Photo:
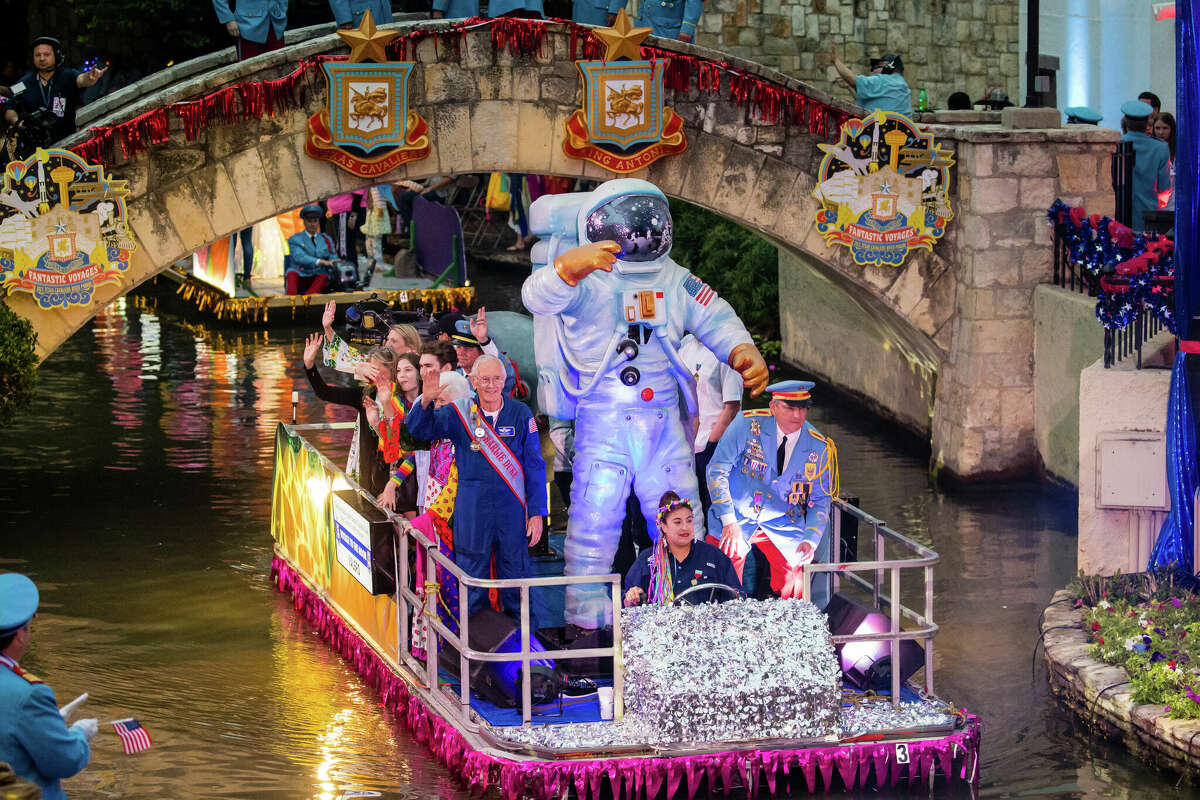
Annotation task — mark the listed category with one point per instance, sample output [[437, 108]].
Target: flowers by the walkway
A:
[[1158, 644]]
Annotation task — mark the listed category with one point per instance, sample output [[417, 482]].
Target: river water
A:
[[137, 494]]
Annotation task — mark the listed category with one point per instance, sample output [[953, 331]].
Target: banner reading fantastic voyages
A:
[[63, 229]]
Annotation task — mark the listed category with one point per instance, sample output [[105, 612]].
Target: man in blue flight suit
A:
[[34, 738], [310, 253], [670, 19], [257, 25], [501, 476], [596, 12], [349, 13], [471, 340], [1151, 163], [772, 481]]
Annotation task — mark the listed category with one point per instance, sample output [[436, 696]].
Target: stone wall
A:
[[1066, 339], [1005, 181], [947, 45]]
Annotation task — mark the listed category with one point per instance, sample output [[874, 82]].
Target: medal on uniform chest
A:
[[758, 502]]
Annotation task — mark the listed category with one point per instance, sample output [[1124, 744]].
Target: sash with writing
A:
[[492, 446]]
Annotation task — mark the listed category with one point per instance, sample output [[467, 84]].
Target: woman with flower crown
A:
[[677, 562]]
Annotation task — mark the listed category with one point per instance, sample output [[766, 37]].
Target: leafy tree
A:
[[741, 266], [18, 364]]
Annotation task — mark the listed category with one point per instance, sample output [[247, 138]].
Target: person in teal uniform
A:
[[670, 19], [310, 253], [455, 9], [257, 25], [1151, 163], [884, 89], [772, 479], [349, 13], [596, 12], [34, 738]]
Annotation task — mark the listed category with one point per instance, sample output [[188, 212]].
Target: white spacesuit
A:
[[608, 321]]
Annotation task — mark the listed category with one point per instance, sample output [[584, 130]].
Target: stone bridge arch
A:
[[488, 110]]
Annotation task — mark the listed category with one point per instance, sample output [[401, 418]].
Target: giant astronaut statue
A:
[[610, 308]]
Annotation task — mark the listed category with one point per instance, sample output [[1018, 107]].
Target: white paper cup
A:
[[605, 695]]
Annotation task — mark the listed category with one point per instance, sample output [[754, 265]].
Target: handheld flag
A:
[[134, 738]]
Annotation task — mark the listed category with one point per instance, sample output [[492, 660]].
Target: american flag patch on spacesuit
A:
[[699, 291], [533, 425]]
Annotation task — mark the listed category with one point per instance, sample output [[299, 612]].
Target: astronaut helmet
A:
[[633, 213]]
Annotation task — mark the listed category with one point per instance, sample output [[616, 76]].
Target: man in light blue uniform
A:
[[1151, 163], [310, 253], [455, 9], [884, 89], [34, 738], [596, 12], [349, 13], [622, 306], [495, 508], [258, 25], [772, 481], [670, 19]]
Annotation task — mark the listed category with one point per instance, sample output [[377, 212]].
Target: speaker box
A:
[[499, 682], [868, 665]]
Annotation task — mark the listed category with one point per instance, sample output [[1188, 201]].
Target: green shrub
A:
[[18, 364]]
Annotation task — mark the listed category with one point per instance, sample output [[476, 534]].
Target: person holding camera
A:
[[48, 96]]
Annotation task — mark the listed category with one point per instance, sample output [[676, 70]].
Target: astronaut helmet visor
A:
[[640, 224]]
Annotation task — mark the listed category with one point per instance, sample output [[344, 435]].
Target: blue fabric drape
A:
[[1174, 545]]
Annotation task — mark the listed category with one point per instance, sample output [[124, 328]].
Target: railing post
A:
[[837, 545], [895, 628], [526, 681], [618, 658], [400, 571], [464, 640], [430, 608], [928, 622], [878, 557]]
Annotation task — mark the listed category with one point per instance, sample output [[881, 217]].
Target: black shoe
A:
[[578, 687]]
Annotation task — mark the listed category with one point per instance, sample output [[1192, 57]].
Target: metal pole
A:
[[928, 622], [837, 545], [618, 660], [526, 681], [464, 641], [895, 642], [1032, 45]]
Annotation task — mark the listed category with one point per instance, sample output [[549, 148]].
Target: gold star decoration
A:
[[622, 39], [366, 41]]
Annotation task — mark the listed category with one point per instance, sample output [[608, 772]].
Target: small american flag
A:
[[700, 291], [533, 425], [134, 738]]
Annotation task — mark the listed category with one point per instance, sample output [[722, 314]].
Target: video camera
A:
[[33, 130], [368, 321]]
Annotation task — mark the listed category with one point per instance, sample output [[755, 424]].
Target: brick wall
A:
[[946, 45]]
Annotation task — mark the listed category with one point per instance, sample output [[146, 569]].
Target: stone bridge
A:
[[959, 319]]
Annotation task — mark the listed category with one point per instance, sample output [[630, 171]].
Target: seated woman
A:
[[677, 562], [397, 446], [367, 465]]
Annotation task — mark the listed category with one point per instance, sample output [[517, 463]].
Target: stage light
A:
[[868, 665]]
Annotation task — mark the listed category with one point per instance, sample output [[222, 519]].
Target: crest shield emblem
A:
[[624, 101], [368, 103]]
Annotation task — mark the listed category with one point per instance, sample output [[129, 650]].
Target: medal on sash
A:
[[478, 425]]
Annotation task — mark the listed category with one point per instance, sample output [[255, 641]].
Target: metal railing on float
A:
[[919, 557]]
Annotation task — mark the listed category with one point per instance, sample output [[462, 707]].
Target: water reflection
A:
[[137, 492]]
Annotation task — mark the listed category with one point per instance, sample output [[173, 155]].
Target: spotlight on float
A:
[[868, 665]]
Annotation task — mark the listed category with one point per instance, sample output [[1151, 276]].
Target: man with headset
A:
[[52, 87]]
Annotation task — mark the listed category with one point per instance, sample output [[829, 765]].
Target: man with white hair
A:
[[501, 475]]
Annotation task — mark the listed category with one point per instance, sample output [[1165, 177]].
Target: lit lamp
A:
[[868, 665]]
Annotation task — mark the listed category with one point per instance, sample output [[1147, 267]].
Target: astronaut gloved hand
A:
[[579, 262], [89, 727], [746, 359]]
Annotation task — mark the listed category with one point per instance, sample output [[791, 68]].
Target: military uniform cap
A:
[[794, 393], [18, 601], [311, 210], [1136, 109], [1083, 114], [458, 328]]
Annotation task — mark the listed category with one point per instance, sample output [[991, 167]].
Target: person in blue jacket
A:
[[773, 479], [501, 476], [884, 89], [257, 25], [310, 253], [670, 19], [349, 13], [596, 12], [1151, 163], [34, 738], [677, 562]]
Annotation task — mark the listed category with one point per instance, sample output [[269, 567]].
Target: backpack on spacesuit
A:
[[553, 218]]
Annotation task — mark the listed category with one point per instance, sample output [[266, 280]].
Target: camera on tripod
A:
[[368, 321]]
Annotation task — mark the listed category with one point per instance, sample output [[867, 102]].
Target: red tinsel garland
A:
[[769, 101]]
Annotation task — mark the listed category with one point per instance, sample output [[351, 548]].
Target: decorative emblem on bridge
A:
[[63, 229], [623, 125], [367, 128], [883, 189]]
